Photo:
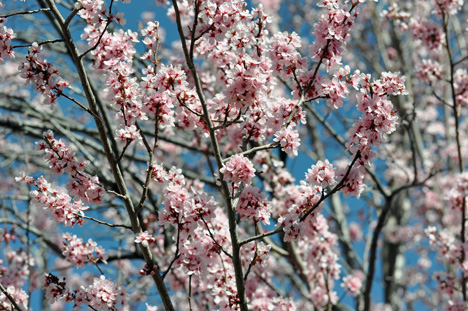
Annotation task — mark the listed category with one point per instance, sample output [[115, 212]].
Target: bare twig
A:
[[25, 12], [103, 222]]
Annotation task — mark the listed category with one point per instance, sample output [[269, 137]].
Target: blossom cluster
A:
[[42, 74], [461, 87], [151, 40], [447, 246], [123, 94], [185, 206], [200, 256], [79, 252], [378, 119], [102, 295], [17, 294], [353, 282], [164, 88], [255, 255], [55, 200], [254, 205], [113, 55], [6, 35], [321, 175], [457, 192], [289, 140], [219, 17], [331, 32], [144, 238], [15, 271], [62, 159], [238, 169], [284, 55], [311, 190]]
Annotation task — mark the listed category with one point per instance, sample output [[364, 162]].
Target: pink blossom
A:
[[286, 59], [321, 297], [79, 253], [321, 175], [428, 34], [42, 74], [450, 7], [103, 294], [253, 205], [397, 14], [128, 134], [355, 231], [6, 35], [430, 70], [279, 113], [113, 49], [390, 83], [238, 169], [144, 238], [158, 173], [17, 294], [289, 140], [62, 159], [331, 32], [291, 224], [124, 95], [151, 40], [354, 183], [55, 200], [335, 90], [185, 206], [461, 87], [353, 282]]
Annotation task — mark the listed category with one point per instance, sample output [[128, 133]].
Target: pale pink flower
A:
[[42, 74], [321, 175], [353, 282], [355, 231], [238, 169], [18, 295], [253, 205], [6, 35], [103, 294], [62, 159], [78, 252], [144, 238], [289, 140], [56, 200], [128, 134]]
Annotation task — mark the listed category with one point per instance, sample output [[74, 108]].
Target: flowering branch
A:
[[77, 59], [217, 153], [13, 302], [456, 107], [338, 187]]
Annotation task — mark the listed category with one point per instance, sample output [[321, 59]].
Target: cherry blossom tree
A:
[[276, 155]]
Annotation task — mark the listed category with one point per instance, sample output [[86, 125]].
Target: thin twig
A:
[[25, 13], [78, 103], [40, 43], [103, 222]]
